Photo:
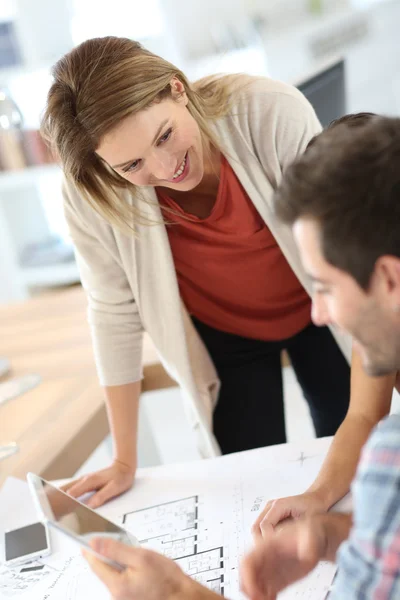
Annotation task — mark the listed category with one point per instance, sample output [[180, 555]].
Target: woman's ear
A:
[[178, 91]]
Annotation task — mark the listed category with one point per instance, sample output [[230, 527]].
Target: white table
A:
[[199, 513]]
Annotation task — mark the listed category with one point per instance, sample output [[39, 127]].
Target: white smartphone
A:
[[73, 518], [26, 544]]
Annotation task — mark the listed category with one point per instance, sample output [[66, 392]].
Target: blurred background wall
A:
[[284, 39]]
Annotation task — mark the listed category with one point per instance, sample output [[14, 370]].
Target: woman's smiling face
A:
[[158, 146]]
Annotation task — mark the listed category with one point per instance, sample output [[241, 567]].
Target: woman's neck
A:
[[212, 168]]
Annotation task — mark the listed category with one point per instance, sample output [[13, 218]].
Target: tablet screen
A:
[[72, 516]]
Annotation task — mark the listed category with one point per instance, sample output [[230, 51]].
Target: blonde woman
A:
[[168, 190]]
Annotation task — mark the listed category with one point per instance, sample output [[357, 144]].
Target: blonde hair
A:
[[97, 85]]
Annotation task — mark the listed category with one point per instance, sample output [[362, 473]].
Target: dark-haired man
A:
[[342, 199]]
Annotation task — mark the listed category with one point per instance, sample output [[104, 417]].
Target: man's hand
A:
[[106, 484], [293, 507], [283, 557], [148, 575]]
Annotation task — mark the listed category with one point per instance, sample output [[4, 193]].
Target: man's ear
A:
[[388, 268]]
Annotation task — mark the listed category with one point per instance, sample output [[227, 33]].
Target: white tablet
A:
[[79, 522]]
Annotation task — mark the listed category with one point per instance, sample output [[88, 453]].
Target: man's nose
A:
[[319, 312]]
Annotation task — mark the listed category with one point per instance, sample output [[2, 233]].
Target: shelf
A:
[[50, 276], [28, 176]]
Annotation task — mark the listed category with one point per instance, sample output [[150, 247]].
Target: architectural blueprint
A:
[[18, 581], [199, 514], [204, 513], [173, 529]]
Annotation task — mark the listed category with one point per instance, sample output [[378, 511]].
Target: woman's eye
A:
[[166, 136], [132, 167]]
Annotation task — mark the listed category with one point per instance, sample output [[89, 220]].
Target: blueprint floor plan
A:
[[199, 514], [173, 529], [204, 513]]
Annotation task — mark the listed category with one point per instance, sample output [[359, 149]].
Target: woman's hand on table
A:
[[105, 484], [283, 509]]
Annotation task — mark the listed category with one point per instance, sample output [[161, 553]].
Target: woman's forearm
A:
[[123, 411], [337, 472], [369, 403]]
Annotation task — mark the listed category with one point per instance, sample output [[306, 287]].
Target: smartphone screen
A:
[[24, 541]]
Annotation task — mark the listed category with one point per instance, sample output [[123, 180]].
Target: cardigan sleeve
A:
[[114, 320]]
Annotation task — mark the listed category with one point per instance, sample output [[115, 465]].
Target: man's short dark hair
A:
[[348, 181], [352, 120]]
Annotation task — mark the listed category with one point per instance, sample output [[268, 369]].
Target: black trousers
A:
[[250, 410]]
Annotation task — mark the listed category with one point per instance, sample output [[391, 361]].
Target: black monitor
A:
[[326, 92]]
